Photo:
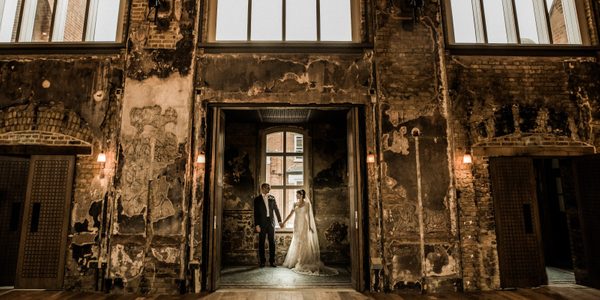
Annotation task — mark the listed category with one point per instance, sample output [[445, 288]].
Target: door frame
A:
[[214, 210]]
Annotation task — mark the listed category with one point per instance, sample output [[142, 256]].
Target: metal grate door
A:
[[43, 237], [13, 188], [517, 222]]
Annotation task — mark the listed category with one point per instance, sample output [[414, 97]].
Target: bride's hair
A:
[[302, 192]]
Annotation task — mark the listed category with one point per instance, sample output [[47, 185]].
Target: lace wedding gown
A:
[[304, 255]]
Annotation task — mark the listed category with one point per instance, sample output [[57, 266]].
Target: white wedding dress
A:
[[304, 255]]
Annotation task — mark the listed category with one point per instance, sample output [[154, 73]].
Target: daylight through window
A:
[[284, 20], [284, 168], [516, 22], [59, 20]]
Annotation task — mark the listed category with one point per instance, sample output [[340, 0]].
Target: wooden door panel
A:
[[587, 174], [216, 197], [45, 223], [355, 197], [13, 188], [517, 222]]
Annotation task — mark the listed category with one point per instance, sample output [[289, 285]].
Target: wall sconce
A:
[[201, 159], [467, 158], [101, 158], [370, 158]]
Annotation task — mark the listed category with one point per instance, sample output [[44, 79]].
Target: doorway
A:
[[241, 143], [546, 212], [35, 197]]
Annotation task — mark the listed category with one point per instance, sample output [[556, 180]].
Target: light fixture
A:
[[467, 158], [101, 157], [201, 159], [370, 158]]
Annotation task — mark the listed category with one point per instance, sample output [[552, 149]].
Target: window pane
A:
[[232, 20], [294, 171], [43, 21], [69, 20], [463, 21], [289, 205], [336, 22], [563, 22], [527, 22], [274, 170], [301, 20], [494, 20], [107, 20], [9, 9], [278, 194], [275, 142], [294, 142], [266, 20]]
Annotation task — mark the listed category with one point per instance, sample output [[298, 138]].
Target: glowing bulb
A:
[[201, 158], [467, 158], [371, 158], [101, 157]]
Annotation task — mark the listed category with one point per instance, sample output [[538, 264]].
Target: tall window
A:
[[59, 20], [517, 22], [284, 168], [284, 20]]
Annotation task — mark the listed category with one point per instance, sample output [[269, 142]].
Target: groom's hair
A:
[[264, 185]]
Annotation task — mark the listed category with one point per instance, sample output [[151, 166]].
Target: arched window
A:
[[284, 166]]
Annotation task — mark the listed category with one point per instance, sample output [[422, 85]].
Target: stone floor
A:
[[249, 277], [560, 276]]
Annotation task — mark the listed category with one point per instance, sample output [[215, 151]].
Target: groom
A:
[[264, 207]]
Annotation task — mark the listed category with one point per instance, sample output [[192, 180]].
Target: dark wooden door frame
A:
[[214, 217]]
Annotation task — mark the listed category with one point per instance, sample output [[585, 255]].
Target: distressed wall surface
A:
[[137, 223], [417, 242], [69, 101], [517, 104]]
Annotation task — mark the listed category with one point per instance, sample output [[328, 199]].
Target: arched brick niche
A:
[[532, 144], [35, 128]]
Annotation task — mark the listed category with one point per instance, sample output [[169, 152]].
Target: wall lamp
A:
[[467, 158], [371, 158], [101, 159], [201, 159]]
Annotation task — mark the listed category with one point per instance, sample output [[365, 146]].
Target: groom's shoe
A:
[[273, 265], [262, 265]]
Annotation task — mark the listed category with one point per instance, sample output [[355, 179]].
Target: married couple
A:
[[304, 255]]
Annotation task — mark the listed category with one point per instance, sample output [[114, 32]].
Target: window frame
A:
[[70, 46], [306, 169], [209, 38], [588, 46]]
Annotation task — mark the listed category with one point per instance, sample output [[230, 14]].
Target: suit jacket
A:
[[260, 211]]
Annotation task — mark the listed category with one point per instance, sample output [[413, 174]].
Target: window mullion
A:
[[2, 5], [283, 19], [85, 20], [541, 21], [59, 20], [510, 19], [318, 20], [91, 19], [53, 19], [27, 21], [249, 26], [571, 22], [479, 21]]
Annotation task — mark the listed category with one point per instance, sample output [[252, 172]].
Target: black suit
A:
[[267, 226]]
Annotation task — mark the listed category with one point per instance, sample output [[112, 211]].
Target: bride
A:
[[304, 255]]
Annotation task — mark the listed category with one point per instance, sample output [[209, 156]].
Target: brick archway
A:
[[43, 128]]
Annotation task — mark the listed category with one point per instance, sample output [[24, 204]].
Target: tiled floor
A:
[[280, 277]]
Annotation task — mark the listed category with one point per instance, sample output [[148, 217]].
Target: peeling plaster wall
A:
[[83, 92], [516, 97], [415, 237], [148, 247]]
